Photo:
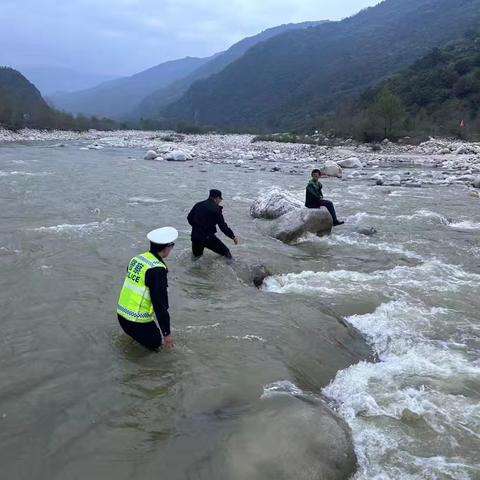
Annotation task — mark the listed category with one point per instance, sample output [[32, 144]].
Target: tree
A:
[[389, 108]]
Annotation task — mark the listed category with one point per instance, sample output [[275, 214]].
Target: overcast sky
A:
[[121, 37]]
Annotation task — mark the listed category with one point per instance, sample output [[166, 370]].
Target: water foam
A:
[[146, 200], [417, 383], [433, 276], [363, 216], [82, 228], [282, 387], [191, 328], [466, 225], [361, 241], [24, 174], [250, 338], [385, 402], [9, 251], [423, 214]]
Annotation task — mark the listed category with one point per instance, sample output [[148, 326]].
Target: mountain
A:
[[50, 80], [151, 106], [114, 99], [20, 100], [438, 93], [285, 82], [22, 105]]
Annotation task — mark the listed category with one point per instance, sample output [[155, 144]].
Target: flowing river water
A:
[[78, 399]]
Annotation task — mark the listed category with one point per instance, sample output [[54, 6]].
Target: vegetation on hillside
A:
[[151, 107], [438, 95], [22, 106], [288, 81]]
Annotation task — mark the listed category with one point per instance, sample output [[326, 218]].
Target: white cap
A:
[[163, 236]]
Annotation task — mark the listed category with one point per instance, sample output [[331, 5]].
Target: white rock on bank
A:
[[150, 155], [331, 169], [395, 181], [352, 162], [178, 156]]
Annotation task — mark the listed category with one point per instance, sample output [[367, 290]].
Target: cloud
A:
[[125, 36]]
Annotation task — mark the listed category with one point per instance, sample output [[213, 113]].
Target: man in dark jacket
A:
[[204, 218], [314, 197]]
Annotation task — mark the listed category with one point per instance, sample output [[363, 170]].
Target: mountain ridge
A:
[[152, 104], [116, 98], [286, 81]]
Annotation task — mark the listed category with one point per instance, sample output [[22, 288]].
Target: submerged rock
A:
[[395, 181], [298, 222], [291, 438], [369, 231], [273, 204], [251, 274]]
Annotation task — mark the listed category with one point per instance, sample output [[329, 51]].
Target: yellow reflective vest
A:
[[135, 303]]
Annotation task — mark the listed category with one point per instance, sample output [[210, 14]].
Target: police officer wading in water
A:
[[204, 218], [145, 292], [314, 197]]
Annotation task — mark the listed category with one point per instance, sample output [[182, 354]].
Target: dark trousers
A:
[[146, 334], [213, 244], [329, 206]]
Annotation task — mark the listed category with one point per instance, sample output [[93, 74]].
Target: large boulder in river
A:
[[151, 155], [298, 222], [273, 204], [352, 162], [178, 156], [331, 169], [288, 437], [476, 182]]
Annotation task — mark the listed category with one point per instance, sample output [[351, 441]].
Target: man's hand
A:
[[169, 343], [235, 241]]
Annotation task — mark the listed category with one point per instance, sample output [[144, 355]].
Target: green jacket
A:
[[313, 194]]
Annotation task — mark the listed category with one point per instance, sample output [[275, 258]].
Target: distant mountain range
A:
[[145, 93], [115, 99], [151, 106], [50, 80], [287, 81]]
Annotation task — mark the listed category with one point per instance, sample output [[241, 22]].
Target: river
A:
[[79, 399]]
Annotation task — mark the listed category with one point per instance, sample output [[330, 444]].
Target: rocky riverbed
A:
[[451, 162]]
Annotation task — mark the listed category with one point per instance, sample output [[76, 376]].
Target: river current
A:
[[78, 399]]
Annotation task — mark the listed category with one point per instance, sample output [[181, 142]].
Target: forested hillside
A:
[[22, 105], [290, 80], [438, 95]]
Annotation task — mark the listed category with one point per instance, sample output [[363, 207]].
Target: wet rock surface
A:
[[300, 222]]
